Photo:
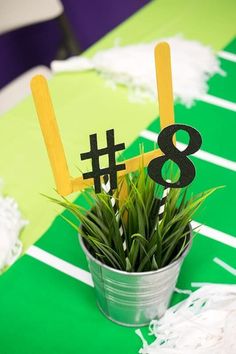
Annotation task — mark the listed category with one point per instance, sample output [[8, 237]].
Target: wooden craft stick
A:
[[131, 166], [52, 139], [164, 84]]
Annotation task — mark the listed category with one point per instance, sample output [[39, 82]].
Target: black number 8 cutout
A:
[[186, 167]]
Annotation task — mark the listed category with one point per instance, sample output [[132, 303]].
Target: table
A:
[[45, 310]]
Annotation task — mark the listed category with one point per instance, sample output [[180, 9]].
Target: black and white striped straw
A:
[[107, 188], [163, 202]]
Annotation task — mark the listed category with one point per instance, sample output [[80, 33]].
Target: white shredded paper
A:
[[11, 224], [205, 323], [133, 66]]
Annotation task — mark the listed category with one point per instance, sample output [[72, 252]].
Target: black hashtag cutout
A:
[[94, 155]]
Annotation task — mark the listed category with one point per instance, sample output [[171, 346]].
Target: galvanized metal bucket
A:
[[133, 299]]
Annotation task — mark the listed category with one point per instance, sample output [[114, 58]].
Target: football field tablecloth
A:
[[44, 310]]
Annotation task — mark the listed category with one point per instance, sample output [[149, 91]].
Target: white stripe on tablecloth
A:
[[60, 264], [217, 101], [224, 265], [200, 284], [214, 234], [227, 56], [200, 154]]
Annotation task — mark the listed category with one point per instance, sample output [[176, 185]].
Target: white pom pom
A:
[[11, 224], [205, 323]]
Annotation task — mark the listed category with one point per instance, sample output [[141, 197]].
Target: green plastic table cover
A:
[[43, 310]]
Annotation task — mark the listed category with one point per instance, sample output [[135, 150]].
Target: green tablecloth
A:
[[45, 311]]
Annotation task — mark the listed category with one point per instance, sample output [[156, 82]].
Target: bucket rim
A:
[[123, 272]]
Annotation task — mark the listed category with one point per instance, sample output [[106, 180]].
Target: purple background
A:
[[38, 44]]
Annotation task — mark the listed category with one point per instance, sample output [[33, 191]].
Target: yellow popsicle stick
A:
[[52, 139], [164, 84], [131, 165], [64, 183]]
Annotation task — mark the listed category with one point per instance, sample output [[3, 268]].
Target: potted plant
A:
[[135, 245]]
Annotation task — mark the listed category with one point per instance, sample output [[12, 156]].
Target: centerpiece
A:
[[136, 231]]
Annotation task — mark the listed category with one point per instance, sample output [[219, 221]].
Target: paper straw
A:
[[108, 190]]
